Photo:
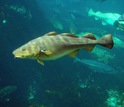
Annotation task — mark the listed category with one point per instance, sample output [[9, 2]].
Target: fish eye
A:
[[23, 49]]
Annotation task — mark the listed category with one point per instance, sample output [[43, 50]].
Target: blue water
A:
[[60, 83]]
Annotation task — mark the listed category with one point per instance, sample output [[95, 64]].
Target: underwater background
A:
[[62, 82]]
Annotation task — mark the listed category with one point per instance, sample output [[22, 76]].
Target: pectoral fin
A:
[[73, 54], [104, 23], [46, 52], [96, 18], [39, 61]]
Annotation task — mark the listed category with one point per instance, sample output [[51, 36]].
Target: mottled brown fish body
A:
[[52, 46], [61, 45]]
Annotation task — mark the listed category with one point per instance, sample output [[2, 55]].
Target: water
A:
[[60, 83]]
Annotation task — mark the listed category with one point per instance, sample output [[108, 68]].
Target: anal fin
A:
[[73, 54], [89, 48]]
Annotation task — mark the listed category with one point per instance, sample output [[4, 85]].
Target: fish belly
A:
[[56, 55]]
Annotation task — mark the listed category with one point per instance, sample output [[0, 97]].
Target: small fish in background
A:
[[119, 23], [121, 18], [118, 42], [5, 91], [106, 18], [96, 66], [52, 46]]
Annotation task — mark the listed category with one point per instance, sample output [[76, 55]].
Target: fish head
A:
[[27, 51]]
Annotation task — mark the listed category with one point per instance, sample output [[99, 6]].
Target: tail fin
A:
[[106, 41], [90, 12]]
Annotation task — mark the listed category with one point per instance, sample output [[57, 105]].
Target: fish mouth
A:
[[17, 55]]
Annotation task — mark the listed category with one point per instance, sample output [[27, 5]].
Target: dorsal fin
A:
[[68, 34], [90, 36], [53, 33]]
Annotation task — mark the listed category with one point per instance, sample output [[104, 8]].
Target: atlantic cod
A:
[[52, 46]]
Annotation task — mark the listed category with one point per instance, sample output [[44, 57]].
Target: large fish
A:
[[106, 18], [52, 46]]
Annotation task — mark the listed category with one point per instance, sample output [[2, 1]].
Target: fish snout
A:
[[17, 54]]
